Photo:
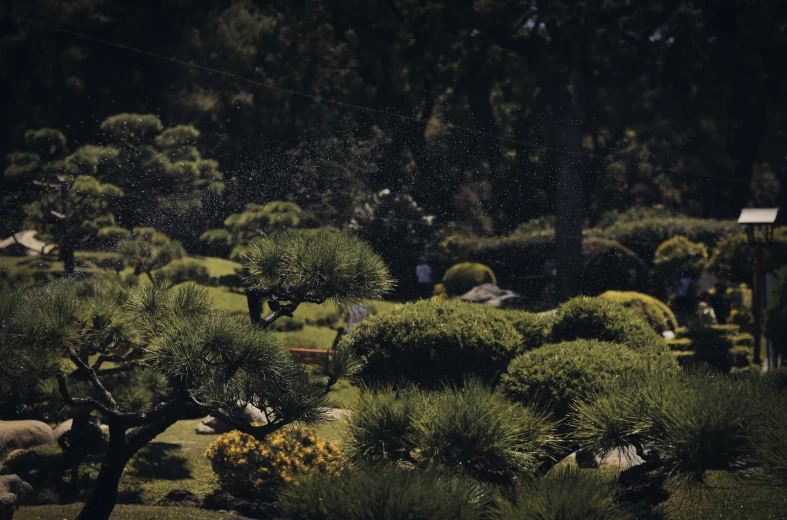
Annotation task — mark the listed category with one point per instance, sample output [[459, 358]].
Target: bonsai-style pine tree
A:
[[145, 249], [66, 200], [212, 362]]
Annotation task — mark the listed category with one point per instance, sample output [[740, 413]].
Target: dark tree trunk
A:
[[568, 217], [122, 447], [254, 302], [102, 501], [749, 135]]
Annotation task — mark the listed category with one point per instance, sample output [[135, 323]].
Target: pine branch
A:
[[94, 379], [81, 401]]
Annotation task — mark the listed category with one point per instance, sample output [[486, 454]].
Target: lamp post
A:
[[758, 223]]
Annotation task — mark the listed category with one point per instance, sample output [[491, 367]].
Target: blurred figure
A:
[[705, 311], [718, 300], [683, 301], [424, 274], [356, 315]]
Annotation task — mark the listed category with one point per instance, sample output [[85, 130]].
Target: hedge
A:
[[604, 320], [462, 277], [657, 313], [679, 257], [433, 342], [554, 376]]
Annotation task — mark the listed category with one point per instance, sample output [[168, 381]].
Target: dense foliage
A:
[[460, 278], [554, 377], [430, 343], [605, 320], [471, 428], [679, 257], [250, 468], [656, 312], [776, 312]]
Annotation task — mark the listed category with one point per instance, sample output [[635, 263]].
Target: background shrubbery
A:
[[657, 313], [462, 277]]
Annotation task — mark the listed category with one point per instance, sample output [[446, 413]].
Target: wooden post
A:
[[758, 296]]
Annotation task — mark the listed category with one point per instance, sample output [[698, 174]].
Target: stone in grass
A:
[[23, 434], [184, 497], [11, 490], [491, 294]]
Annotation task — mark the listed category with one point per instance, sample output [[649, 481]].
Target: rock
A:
[[63, 428], [491, 294], [233, 516], [184, 497], [23, 434], [18, 453], [210, 425], [203, 429], [11, 490]]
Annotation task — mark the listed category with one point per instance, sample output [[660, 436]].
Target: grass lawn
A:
[[174, 460], [121, 512]]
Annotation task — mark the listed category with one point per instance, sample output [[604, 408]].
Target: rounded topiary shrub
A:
[[605, 320], [431, 342], [553, 376], [462, 277], [679, 257], [609, 265], [657, 313], [385, 492], [250, 468], [531, 326]]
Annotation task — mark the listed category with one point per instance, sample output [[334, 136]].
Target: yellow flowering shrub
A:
[[248, 467]]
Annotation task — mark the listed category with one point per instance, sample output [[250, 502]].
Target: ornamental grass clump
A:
[[565, 493], [250, 468], [387, 492], [382, 424], [479, 431]]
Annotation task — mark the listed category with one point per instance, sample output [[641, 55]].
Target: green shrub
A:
[[480, 431], [554, 376], [722, 347], [432, 342], [644, 236], [564, 494], [288, 324], [387, 492], [657, 313], [531, 326], [696, 421], [679, 257], [216, 242], [604, 320], [382, 423], [776, 311], [184, 272], [733, 257], [462, 277]]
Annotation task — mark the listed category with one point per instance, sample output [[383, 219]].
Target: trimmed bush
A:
[[388, 492], [480, 431], [554, 376], [565, 493], [431, 342], [217, 242], [249, 468], [462, 277], [184, 272], [531, 326], [657, 313], [604, 320], [644, 236], [679, 257]]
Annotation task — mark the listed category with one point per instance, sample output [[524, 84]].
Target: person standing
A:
[[424, 274]]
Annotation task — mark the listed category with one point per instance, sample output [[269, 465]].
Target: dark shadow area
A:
[[161, 461]]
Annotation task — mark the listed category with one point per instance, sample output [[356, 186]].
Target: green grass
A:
[[174, 460], [121, 512]]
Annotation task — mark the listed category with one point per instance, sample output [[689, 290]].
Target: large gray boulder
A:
[[491, 294], [11, 490], [15, 435]]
